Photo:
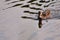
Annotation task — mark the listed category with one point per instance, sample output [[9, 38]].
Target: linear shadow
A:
[[35, 8], [12, 2], [21, 0], [43, 1], [25, 6], [13, 6], [16, 5], [7, 0], [37, 4], [31, 1], [25, 17], [49, 4], [52, 0], [30, 12]]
